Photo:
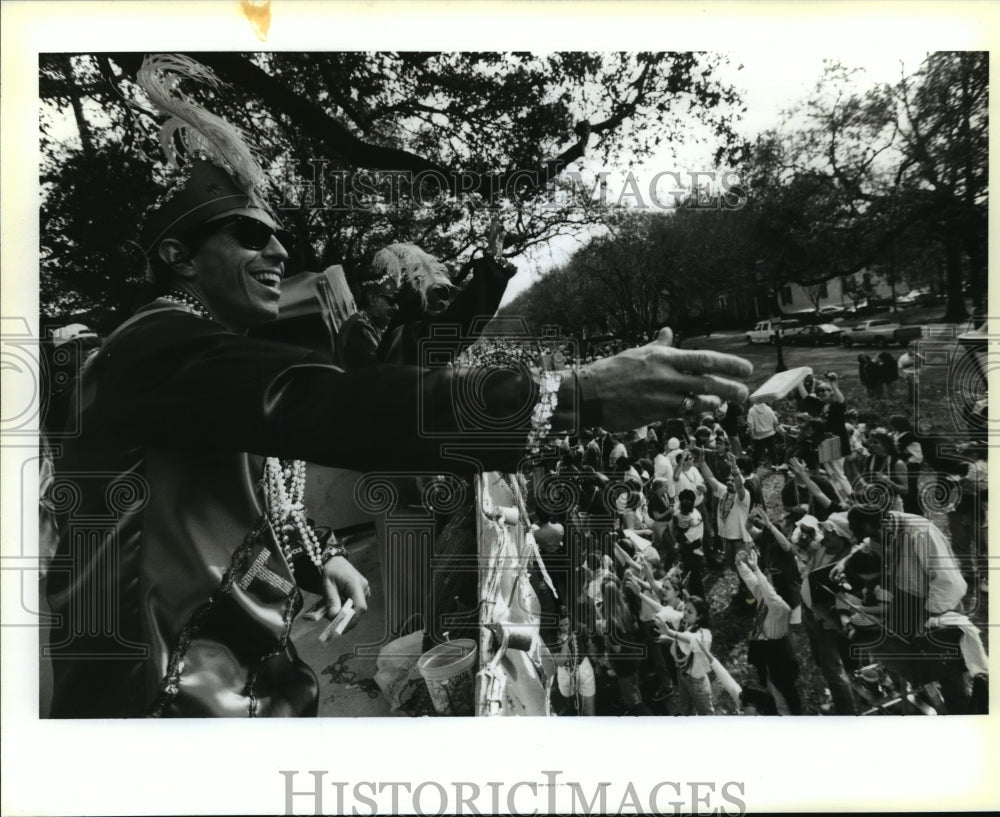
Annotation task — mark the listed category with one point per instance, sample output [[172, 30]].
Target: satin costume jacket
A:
[[171, 593]]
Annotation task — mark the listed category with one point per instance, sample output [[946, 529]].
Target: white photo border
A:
[[203, 767]]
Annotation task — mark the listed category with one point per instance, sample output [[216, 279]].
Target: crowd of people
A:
[[192, 432], [190, 436], [878, 375], [827, 525]]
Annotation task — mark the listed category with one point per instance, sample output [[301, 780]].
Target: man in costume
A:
[[184, 540], [359, 337]]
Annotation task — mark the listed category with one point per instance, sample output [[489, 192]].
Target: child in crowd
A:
[[660, 513], [688, 532]]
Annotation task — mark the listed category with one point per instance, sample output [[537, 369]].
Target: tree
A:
[[944, 124], [904, 157], [647, 271], [474, 131]]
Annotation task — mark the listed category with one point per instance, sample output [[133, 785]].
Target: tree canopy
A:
[[892, 180], [476, 132]]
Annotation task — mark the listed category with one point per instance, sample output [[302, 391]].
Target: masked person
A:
[[186, 540], [361, 333]]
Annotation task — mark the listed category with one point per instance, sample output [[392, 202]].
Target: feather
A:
[[410, 263], [386, 264], [199, 131]]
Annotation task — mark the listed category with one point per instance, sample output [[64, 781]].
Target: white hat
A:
[[809, 522], [73, 331], [673, 444], [837, 523]]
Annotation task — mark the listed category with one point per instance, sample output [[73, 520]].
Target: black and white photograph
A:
[[407, 382]]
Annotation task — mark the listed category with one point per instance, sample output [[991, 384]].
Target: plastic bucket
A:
[[449, 670]]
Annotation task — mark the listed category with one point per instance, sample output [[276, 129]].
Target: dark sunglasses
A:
[[249, 232], [392, 300]]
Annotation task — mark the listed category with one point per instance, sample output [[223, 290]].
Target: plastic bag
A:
[[397, 673]]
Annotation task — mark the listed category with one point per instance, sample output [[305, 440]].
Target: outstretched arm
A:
[[765, 520], [837, 394], [799, 469], [706, 474]]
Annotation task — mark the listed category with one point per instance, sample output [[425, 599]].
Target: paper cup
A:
[[449, 670]]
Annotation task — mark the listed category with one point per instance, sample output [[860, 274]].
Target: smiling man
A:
[[220, 248], [183, 538]]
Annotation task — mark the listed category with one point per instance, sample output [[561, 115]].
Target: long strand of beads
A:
[[541, 416], [573, 669], [285, 485]]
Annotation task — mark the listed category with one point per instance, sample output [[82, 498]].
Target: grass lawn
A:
[[933, 412]]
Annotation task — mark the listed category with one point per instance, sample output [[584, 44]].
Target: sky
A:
[[772, 80], [192, 758]]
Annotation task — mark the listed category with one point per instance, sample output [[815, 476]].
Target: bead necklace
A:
[[188, 300], [284, 487], [574, 665], [284, 483]]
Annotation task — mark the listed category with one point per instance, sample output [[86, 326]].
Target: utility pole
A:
[[779, 332]]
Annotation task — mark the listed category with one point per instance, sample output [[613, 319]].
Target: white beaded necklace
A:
[[186, 299], [284, 487], [284, 482]]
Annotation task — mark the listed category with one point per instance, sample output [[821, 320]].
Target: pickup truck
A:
[[880, 332], [765, 331]]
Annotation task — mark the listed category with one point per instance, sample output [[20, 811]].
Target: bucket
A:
[[449, 670]]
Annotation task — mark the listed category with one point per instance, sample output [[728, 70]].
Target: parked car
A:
[[831, 311], [916, 297], [815, 335], [764, 331], [880, 332]]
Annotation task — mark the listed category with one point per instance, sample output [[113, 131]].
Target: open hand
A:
[[649, 382]]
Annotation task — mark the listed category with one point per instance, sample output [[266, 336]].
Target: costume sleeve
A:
[[171, 379], [360, 343], [469, 313]]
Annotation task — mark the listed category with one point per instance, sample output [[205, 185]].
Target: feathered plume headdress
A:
[[223, 173], [198, 131], [407, 262]]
